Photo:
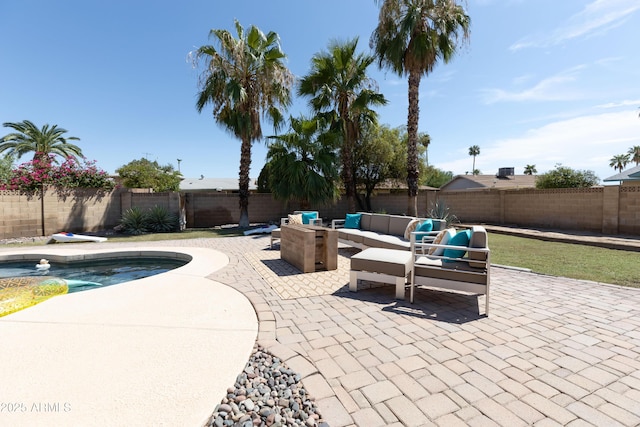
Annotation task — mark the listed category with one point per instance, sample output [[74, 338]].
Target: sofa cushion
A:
[[398, 224], [387, 261], [380, 223], [352, 221], [365, 221], [442, 238], [461, 238], [308, 216], [479, 239], [385, 241], [351, 234]]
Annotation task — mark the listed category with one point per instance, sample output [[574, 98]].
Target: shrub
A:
[[42, 170]]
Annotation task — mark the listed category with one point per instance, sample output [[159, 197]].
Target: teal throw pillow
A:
[[308, 216], [427, 226], [352, 221], [461, 238]]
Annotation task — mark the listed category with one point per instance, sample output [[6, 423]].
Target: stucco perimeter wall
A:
[[609, 209]]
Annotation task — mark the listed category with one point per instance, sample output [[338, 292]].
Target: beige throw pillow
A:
[[411, 227], [295, 219], [442, 238]]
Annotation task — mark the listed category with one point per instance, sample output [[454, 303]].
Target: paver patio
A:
[[555, 351]]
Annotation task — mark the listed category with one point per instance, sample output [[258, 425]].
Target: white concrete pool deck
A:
[[157, 351]]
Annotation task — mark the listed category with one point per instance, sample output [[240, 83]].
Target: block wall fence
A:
[[609, 210]]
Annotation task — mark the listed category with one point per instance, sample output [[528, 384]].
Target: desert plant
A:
[[160, 220], [134, 221], [441, 210]]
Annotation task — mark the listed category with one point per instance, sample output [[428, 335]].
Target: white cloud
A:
[[554, 88], [586, 142], [597, 18], [625, 103]]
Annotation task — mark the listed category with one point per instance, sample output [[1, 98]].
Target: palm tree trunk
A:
[[347, 162], [245, 165], [412, 144]]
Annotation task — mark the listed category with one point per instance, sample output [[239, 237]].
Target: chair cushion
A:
[[442, 239], [295, 219], [457, 270], [461, 238], [308, 216], [352, 221]]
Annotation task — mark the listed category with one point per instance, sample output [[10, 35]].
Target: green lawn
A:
[[567, 260]]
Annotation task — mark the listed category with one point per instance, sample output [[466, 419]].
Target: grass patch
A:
[[567, 260], [204, 233]]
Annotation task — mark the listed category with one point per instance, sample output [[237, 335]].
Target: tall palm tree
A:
[[42, 142], [343, 94], [634, 153], [474, 151], [410, 39], [245, 79], [619, 161], [302, 164], [530, 170]]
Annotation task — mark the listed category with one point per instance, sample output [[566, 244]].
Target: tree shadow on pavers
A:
[[429, 304]]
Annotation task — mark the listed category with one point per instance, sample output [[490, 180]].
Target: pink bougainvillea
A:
[[42, 170]]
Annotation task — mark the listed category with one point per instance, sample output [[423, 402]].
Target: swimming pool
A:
[[85, 275]]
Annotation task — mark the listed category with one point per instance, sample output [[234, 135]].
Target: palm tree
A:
[[42, 142], [619, 161], [343, 94], [302, 165], [634, 153], [530, 170], [245, 79], [411, 37], [474, 151]]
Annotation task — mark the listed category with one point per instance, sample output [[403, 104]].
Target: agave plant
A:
[[159, 220], [440, 210], [134, 221]]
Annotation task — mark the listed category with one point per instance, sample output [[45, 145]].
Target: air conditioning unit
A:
[[505, 172]]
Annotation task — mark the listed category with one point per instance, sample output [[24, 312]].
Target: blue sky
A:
[[541, 82]]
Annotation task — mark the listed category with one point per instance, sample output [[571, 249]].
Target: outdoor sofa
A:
[[373, 230]]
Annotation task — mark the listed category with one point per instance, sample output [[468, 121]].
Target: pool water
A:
[[85, 275]]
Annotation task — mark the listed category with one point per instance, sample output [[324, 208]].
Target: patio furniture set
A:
[[396, 249]]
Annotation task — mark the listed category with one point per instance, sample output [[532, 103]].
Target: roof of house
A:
[[632, 174], [466, 182], [214, 184]]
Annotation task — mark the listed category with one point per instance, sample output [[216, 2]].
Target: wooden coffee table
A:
[[309, 247]]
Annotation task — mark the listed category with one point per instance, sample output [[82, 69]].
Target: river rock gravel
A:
[[266, 394]]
